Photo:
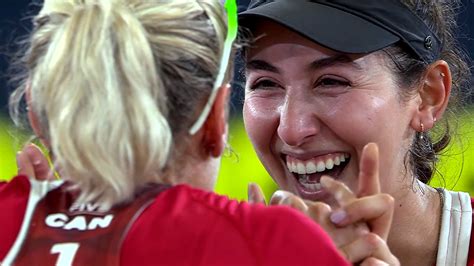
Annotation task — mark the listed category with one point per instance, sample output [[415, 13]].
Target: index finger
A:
[[369, 181]]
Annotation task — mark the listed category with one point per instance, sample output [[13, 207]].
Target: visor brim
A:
[[328, 26]]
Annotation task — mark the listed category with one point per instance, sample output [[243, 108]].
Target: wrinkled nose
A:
[[298, 122]]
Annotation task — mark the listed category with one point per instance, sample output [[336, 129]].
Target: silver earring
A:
[[442, 74], [422, 130]]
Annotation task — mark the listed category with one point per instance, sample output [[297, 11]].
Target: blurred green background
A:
[[242, 166]]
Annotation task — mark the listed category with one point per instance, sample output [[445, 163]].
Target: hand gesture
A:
[[361, 225], [32, 162]]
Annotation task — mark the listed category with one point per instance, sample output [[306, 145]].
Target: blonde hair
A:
[[113, 82]]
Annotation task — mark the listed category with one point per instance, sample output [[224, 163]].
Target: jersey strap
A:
[[470, 257]]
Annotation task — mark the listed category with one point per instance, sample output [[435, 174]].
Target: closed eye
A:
[[264, 84], [332, 82]]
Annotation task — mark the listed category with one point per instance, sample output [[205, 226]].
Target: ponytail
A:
[[115, 83], [105, 107]]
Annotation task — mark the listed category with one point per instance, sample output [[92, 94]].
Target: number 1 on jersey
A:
[[66, 252]]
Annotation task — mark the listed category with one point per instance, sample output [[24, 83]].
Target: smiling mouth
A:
[[308, 173]]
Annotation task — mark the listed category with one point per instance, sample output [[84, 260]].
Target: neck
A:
[[194, 168], [414, 235]]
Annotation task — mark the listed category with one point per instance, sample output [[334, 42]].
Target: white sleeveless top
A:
[[455, 235]]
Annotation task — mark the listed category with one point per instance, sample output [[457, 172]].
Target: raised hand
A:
[[320, 213], [32, 162], [361, 225], [369, 206]]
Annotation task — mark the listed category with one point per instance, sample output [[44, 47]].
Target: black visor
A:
[[350, 26]]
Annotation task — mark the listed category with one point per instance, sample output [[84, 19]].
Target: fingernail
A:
[[338, 216], [279, 194], [277, 197], [250, 194], [18, 163]]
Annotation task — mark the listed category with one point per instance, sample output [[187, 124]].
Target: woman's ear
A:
[[434, 93], [216, 126]]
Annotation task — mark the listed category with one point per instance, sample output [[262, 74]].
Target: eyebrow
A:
[[315, 65], [334, 60], [261, 65]]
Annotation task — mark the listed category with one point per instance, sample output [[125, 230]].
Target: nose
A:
[[298, 122]]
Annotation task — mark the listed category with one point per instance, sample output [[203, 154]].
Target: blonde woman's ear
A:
[[434, 93], [215, 127]]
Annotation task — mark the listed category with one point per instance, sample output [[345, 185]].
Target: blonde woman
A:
[[113, 89]]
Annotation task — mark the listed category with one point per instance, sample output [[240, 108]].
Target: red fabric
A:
[[13, 200], [186, 226], [470, 256], [76, 233]]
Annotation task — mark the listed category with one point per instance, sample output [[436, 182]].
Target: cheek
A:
[[361, 118], [261, 121]]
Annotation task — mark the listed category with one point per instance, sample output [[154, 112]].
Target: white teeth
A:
[[311, 168], [303, 179], [320, 167], [329, 164], [293, 168], [311, 186], [300, 169]]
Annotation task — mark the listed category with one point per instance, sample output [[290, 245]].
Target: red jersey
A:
[[178, 226]]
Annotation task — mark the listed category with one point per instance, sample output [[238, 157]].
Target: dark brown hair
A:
[[440, 16]]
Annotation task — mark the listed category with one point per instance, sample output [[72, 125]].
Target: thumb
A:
[[281, 197], [255, 194], [24, 165], [33, 163]]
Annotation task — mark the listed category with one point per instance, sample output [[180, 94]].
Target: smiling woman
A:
[[279, 67], [325, 78]]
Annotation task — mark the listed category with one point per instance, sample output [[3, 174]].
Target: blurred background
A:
[[240, 166]]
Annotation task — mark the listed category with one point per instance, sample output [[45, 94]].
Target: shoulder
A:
[[14, 194], [19, 185], [13, 198], [223, 231], [455, 240], [470, 259]]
